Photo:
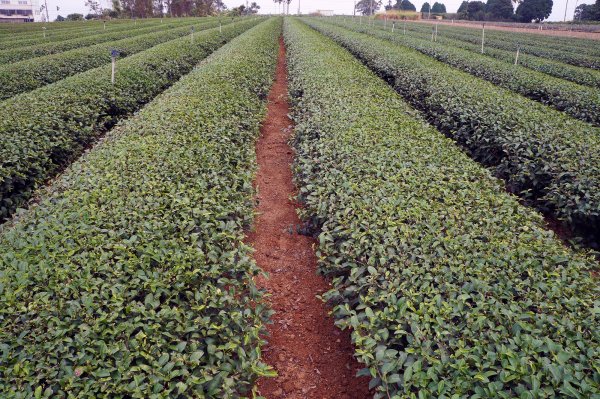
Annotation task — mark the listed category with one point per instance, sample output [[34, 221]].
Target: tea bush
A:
[[130, 278], [451, 288]]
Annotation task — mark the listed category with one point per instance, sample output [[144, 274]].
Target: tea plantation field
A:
[[453, 196]]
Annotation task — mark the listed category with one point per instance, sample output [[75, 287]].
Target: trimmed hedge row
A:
[[30, 74], [130, 279], [575, 45], [52, 37], [17, 29], [580, 75], [39, 50], [578, 59], [451, 288], [550, 159], [50, 126], [579, 101]]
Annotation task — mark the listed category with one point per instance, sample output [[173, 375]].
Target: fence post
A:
[[517, 56], [482, 37], [113, 55]]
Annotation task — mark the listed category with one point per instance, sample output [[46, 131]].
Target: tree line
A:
[[588, 12], [161, 8], [369, 7], [502, 10], [491, 10]]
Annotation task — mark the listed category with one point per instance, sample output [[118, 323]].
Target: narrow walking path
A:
[[312, 357]]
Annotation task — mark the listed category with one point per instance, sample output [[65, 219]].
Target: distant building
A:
[[325, 13], [19, 10]]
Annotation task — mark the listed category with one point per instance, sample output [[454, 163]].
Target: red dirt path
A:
[[312, 357]]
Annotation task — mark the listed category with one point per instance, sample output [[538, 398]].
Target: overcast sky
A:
[[338, 6]]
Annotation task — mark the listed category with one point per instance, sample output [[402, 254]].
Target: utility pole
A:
[[47, 15], [299, 13], [566, 6]]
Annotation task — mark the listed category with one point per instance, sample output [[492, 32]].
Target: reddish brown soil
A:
[[312, 357], [548, 32]]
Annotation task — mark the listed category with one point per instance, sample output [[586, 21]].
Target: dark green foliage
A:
[[36, 72], [425, 7], [75, 17], [549, 159], [50, 126], [576, 100], [476, 10], [452, 289], [587, 12], [405, 5], [438, 8], [499, 10], [534, 10], [130, 278], [472, 10]]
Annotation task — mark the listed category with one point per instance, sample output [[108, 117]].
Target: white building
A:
[[19, 10]]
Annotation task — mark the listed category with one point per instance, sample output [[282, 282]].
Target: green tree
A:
[[59, 18], [286, 5], [596, 11], [499, 9], [438, 8], [405, 5], [587, 12], [75, 17], [473, 10], [584, 12], [116, 6], [94, 6], [534, 10], [220, 6], [425, 7], [368, 7], [253, 9]]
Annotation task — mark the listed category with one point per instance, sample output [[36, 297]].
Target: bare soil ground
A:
[[561, 33], [312, 357]]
